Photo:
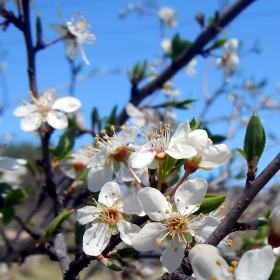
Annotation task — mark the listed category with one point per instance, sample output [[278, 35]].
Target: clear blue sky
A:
[[121, 43]]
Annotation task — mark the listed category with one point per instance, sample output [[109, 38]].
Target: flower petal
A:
[[142, 158], [133, 111], [179, 151], [189, 194], [181, 133], [132, 205], [126, 135], [214, 156], [96, 239], [172, 256], [83, 54], [67, 104], [127, 231], [109, 193], [70, 46], [59, 28], [197, 139], [12, 163], [99, 158], [85, 214], [24, 110], [146, 239], [57, 120], [207, 264], [256, 264], [154, 204], [31, 122], [98, 176]]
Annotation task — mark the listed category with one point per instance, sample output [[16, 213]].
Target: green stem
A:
[[160, 169]]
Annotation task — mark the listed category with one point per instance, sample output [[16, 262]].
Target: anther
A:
[[158, 211], [230, 269], [218, 263], [159, 242], [234, 263], [168, 198], [175, 249], [167, 211]]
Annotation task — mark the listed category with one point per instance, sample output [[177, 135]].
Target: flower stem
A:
[[179, 183], [137, 178], [160, 169]]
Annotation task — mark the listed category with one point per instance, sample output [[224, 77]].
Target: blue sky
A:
[[121, 43]]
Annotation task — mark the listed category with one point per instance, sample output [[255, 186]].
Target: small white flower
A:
[[176, 226], [168, 16], [169, 89], [166, 45], [274, 224], [112, 158], [190, 67], [109, 217], [75, 33], [208, 264], [159, 144], [230, 59], [46, 109]]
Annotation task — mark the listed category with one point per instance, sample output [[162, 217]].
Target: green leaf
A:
[[126, 252], [15, 197], [8, 213], [194, 124], [39, 31], [254, 141], [111, 120], [179, 104], [113, 266], [170, 164], [5, 188], [54, 224], [242, 153], [95, 119], [178, 46], [210, 203], [218, 43], [66, 143], [275, 275], [83, 176]]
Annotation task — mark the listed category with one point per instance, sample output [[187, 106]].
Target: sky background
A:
[[121, 42]]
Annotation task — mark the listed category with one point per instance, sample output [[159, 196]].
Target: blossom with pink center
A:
[[176, 226], [108, 217]]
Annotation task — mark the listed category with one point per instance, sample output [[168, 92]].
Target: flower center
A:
[[78, 166], [177, 224], [110, 215]]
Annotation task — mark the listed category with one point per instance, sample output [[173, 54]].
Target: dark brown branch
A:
[[196, 48]]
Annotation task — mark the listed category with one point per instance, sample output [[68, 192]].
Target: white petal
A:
[[201, 247], [190, 193], [83, 54], [96, 239], [98, 176], [24, 110], [133, 111], [206, 226], [126, 135], [182, 132], [220, 63], [109, 193], [214, 156], [172, 256], [11, 163], [154, 203], [61, 29], [205, 265], [197, 139], [31, 122], [146, 239], [70, 46], [85, 214], [179, 151], [256, 264], [127, 231], [67, 104], [132, 205], [124, 173], [231, 46], [57, 120], [99, 158], [142, 158]]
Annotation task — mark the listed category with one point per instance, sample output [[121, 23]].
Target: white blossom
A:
[[176, 226], [107, 218], [111, 158], [159, 144], [274, 224], [190, 67], [230, 59], [208, 264], [46, 108], [166, 45], [8, 163], [168, 16], [75, 33]]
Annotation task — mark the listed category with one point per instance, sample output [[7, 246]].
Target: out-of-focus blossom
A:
[[208, 264], [166, 45], [230, 59], [168, 16], [75, 33], [190, 67], [169, 89], [109, 217], [274, 224], [46, 108]]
